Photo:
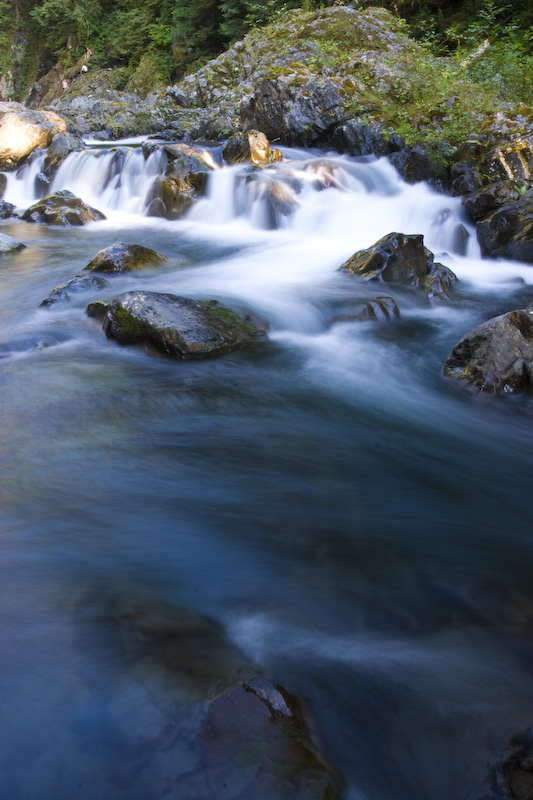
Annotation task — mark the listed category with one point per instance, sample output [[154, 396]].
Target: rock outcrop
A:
[[22, 130], [401, 258], [177, 326], [496, 357], [62, 208], [61, 146]]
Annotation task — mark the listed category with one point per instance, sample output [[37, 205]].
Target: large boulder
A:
[[496, 357], [177, 326], [120, 257], [401, 258], [184, 181], [22, 130], [508, 233], [62, 208], [296, 110]]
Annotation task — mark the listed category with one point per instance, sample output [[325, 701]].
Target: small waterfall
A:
[[118, 179]]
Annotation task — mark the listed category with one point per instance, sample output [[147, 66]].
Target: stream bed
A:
[[360, 527]]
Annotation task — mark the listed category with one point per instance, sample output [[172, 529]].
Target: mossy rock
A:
[[120, 257], [177, 326]]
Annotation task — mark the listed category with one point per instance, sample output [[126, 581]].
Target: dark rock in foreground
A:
[[496, 357], [62, 208], [256, 731], [512, 777], [74, 286], [177, 326], [120, 257], [401, 258]]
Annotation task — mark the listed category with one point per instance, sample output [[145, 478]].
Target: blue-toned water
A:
[[361, 527]]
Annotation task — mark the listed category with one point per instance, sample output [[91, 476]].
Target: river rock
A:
[[512, 777], [177, 326], [22, 130], [184, 181], [256, 744], [9, 245], [61, 146], [401, 258], [252, 147], [3, 184], [508, 233], [484, 202], [74, 286], [379, 309], [62, 208], [496, 357], [6, 209], [120, 257], [358, 138]]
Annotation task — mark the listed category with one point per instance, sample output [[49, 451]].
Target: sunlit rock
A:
[[496, 357], [178, 326], [252, 147], [74, 286], [401, 258], [62, 208], [22, 130], [120, 257]]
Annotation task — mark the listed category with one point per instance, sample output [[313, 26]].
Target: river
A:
[[360, 527]]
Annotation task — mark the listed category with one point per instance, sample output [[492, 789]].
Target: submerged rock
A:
[[19, 346], [9, 245], [62, 208], [22, 130], [512, 777], [74, 286], [401, 258], [177, 326], [120, 257], [496, 357], [252, 147], [256, 744]]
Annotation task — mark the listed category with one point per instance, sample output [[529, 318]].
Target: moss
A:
[[125, 328]]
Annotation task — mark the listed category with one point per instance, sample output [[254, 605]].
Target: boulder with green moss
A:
[[62, 208], [401, 258], [177, 326], [120, 257]]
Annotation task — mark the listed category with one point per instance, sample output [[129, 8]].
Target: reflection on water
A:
[[360, 528]]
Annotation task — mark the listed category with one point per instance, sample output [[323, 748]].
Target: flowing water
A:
[[359, 526]]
